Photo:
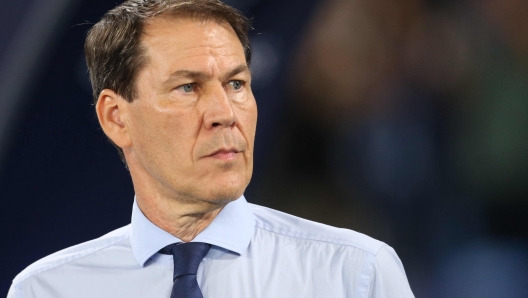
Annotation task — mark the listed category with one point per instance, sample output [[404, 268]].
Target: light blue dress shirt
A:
[[256, 252]]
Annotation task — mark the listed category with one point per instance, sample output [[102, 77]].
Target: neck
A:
[[182, 220]]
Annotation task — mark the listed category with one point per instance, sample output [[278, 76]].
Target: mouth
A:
[[224, 154]]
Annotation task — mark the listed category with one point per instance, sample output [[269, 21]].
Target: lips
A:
[[224, 154]]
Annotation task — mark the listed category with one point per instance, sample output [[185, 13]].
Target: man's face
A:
[[192, 125]]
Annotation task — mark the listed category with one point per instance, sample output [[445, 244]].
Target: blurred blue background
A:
[[406, 120]]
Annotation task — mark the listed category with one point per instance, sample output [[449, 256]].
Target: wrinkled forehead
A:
[[208, 50]]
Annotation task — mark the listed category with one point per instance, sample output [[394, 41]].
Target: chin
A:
[[224, 196], [223, 192]]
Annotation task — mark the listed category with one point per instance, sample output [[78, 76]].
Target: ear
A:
[[112, 112]]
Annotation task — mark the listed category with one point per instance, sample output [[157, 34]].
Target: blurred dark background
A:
[[406, 120]]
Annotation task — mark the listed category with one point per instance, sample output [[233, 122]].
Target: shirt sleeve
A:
[[11, 293], [388, 278]]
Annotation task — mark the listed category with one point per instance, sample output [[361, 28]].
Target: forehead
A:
[[169, 39]]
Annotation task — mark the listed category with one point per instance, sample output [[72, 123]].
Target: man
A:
[[172, 87]]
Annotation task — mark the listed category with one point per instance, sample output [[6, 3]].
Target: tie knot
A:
[[187, 256]]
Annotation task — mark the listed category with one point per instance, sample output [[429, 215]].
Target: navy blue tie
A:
[[187, 258]]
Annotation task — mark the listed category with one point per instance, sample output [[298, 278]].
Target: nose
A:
[[219, 109]]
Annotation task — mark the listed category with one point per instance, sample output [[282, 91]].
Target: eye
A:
[[187, 88], [236, 84]]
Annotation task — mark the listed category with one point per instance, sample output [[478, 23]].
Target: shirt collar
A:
[[232, 229]]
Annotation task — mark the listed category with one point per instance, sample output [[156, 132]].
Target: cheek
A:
[[163, 136], [248, 121], [176, 133]]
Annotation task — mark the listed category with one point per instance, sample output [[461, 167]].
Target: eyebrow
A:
[[199, 75]]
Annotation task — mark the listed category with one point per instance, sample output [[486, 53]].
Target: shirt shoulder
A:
[[289, 225], [73, 253]]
